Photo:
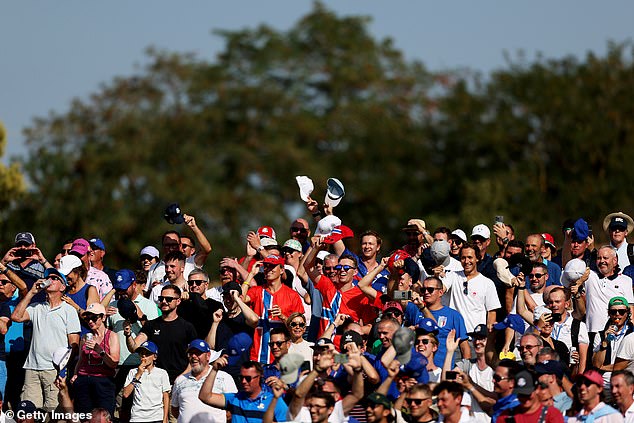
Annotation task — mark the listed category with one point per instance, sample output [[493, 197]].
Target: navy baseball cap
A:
[[149, 346], [513, 321], [124, 279]]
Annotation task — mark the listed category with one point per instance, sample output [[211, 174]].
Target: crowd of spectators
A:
[[486, 327]]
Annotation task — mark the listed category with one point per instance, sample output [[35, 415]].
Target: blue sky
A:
[[54, 51]]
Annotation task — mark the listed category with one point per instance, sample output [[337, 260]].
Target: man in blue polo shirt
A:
[[251, 402]]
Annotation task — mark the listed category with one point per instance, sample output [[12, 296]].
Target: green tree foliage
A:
[[12, 185], [536, 142]]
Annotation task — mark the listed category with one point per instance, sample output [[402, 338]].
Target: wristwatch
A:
[[260, 248]]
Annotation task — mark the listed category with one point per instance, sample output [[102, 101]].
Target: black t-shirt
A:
[[199, 312], [172, 339]]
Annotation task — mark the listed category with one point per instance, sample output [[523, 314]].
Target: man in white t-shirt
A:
[[470, 292], [602, 286], [185, 402]]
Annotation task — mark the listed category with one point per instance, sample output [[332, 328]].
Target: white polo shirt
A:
[[599, 292], [481, 297], [185, 396]]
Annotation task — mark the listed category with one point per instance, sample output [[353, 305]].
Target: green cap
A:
[[618, 301], [380, 399]]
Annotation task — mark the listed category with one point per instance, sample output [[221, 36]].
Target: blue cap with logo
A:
[[200, 345], [97, 244], [124, 279], [149, 346], [513, 321]]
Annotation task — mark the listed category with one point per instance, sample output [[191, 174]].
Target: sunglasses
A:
[[195, 282], [248, 379], [542, 384], [422, 341], [289, 251], [187, 246], [167, 299], [499, 378], [526, 347], [619, 311], [300, 230], [277, 344], [466, 287], [225, 270], [67, 251], [295, 324], [4, 282], [146, 258], [329, 268], [429, 289], [415, 401], [535, 275], [344, 267], [92, 317], [394, 313]]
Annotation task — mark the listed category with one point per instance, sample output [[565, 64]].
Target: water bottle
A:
[[88, 337], [573, 360], [611, 336]]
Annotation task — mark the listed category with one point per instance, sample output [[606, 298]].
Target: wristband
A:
[[521, 287], [260, 248]]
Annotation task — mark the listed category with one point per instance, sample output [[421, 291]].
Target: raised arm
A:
[[206, 395], [15, 279], [204, 246], [19, 312], [365, 284], [309, 263], [356, 394]]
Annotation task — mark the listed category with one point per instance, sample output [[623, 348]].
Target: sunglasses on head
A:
[[344, 267], [168, 300], [89, 317], [195, 282], [248, 379], [619, 311], [295, 324]]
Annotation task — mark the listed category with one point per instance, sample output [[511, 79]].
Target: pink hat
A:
[[592, 376], [95, 308], [80, 246]]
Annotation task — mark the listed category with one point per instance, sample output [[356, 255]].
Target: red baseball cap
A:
[[549, 240], [393, 304], [273, 259], [266, 231], [591, 376], [397, 255], [338, 233]]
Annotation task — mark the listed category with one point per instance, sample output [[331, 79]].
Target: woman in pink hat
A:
[[98, 359]]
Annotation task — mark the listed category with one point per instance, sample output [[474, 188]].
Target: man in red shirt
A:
[[273, 302], [342, 296], [530, 409]]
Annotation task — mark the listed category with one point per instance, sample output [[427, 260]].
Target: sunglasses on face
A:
[[225, 270], [542, 384], [277, 344], [146, 258], [619, 311], [415, 401], [526, 347], [499, 378], [195, 282], [423, 341], [67, 251], [248, 379], [268, 267], [92, 317], [394, 313], [344, 267], [300, 230], [187, 246], [429, 289], [535, 275], [300, 324], [166, 299]]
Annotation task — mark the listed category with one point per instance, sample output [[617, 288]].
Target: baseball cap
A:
[[574, 270], [524, 383], [481, 230], [618, 301], [52, 271], [428, 325], [97, 244], [68, 263], [338, 233], [459, 233], [580, 230], [80, 247], [273, 259], [149, 346], [200, 345], [513, 321], [124, 278], [592, 376], [480, 331], [539, 312], [550, 367], [349, 337], [238, 344], [289, 366], [322, 255], [549, 240], [26, 406], [396, 256], [127, 309], [392, 304], [379, 399], [231, 286], [95, 308], [334, 192], [292, 244], [618, 220], [149, 251], [266, 232], [415, 225], [327, 224], [173, 214], [403, 341], [411, 268], [416, 368], [323, 343], [24, 238], [440, 252], [306, 187]]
